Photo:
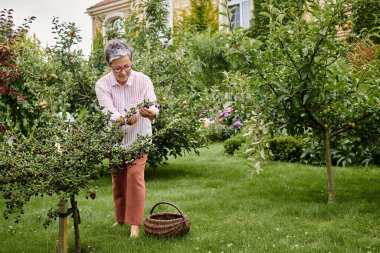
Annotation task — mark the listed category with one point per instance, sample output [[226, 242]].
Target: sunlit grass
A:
[[283, 209]]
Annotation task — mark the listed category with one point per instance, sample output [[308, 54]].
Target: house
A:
[[113, 10]]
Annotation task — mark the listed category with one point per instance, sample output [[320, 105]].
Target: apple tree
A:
[[302, 77]]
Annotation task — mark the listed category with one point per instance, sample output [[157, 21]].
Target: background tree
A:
[[366, 18], [15, 100], [97, 59], [206, 51], [260, 20], [76, 74], [202, 16], [303, 78]]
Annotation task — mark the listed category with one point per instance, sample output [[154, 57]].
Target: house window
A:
[[117, 25], [241, 11], [113, 22]]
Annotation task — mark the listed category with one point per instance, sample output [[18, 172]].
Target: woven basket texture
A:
[[166, 224]]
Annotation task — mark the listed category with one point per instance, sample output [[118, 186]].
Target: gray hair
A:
[[115, 49]]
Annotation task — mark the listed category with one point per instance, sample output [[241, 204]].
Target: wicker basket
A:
[[166, 224]]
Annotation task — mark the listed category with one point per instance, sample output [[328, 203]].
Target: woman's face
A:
[[122, 68]]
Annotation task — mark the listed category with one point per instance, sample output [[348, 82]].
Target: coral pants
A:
[[128, 188]]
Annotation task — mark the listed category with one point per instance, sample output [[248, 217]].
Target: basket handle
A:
[[168, 203]]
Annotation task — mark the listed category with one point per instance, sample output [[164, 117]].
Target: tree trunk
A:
[[76, 224], [330, 176]]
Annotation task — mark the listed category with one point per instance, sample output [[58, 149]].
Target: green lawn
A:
[[283, 209]]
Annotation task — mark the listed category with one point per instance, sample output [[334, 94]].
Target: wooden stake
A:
[[76, 224], [63, 231]]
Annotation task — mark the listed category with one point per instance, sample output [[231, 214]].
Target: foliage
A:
[[206, 50], [57, 78], [145, 27], [358, 147], [178, 127], [257, 129], [366, 15], [363, 53], [203, 16], [223, 124], [13, 98], [312, 151], [217, 133], [259, 24], [285, 148], [233, 143], [76, 74], [97, 58], [169, 68], [60, 159]]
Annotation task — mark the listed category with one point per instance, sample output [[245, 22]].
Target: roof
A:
[[102, 3]]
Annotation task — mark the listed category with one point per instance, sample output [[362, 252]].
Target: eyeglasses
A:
[[118, 69]]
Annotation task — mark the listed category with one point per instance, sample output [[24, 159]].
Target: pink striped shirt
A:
[[115, 98]]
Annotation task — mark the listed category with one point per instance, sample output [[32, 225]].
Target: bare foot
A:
[[134, 231]]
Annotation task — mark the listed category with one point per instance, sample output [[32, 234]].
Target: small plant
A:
[[312, 152]]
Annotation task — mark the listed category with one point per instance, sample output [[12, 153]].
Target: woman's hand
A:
[[147, 113], [126, 121], [132, 120]]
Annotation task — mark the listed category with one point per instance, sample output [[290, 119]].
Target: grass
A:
[[283, 209]]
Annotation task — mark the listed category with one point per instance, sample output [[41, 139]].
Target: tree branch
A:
[[290, 57], [348, 126]]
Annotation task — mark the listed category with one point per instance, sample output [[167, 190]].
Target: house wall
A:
[[180, 6], [121, 9]]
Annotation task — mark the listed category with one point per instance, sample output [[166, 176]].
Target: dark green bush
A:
[[219, 133], [285, 148], [233, 143], [366, 15]]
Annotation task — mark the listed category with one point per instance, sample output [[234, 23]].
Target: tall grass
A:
[[283, 209]]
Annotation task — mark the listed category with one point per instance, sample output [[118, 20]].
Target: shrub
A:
[[219, 133], [233, 143], [285, 148]]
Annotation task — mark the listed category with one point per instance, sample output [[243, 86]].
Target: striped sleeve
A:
[[105, 100]]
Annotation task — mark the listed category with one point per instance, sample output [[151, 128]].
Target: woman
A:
[[117, 92]]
